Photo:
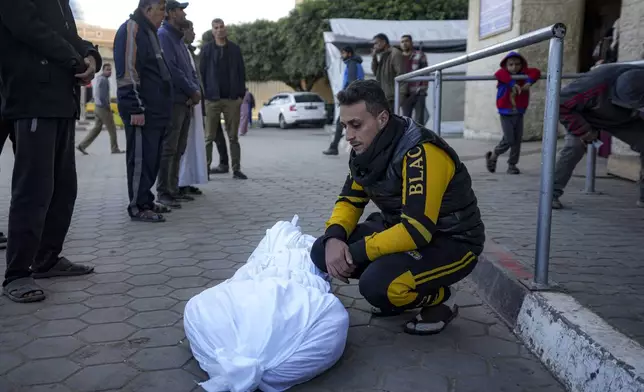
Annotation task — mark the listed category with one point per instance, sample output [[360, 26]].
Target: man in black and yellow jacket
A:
[[429, 232]]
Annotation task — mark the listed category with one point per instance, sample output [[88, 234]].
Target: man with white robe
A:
[[194, 168]]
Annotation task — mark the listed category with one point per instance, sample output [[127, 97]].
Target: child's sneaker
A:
[[512, 169], [640, 203], [490, 162]]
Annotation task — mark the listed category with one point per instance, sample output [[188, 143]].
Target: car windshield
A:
[[307, 98]]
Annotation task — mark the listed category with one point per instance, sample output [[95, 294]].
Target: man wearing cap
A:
[[187, 93], [145, 104], [609, 98]]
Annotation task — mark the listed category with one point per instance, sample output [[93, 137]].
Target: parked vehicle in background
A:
[[291, 109]]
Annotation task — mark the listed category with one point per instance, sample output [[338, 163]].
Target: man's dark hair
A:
[[148, 3], [218, 20], [368, 91], [408, 36], [107, 65], [348, 49], [383, 37]]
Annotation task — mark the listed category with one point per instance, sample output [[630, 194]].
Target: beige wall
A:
[[481, 120]]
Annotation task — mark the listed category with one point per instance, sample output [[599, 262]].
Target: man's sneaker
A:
[[118, 151], [82, 150], [556, 204], [490, 162], [219, 170], [169, 201], [512, 169], [238, 175], [330, 151]]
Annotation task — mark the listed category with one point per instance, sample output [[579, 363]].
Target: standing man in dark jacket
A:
[[609, 98], [145, 104], [187, 93], [353, 71], [224, 81], [42, 54]]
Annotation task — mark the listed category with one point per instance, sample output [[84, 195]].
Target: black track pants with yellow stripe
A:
[[411, 279]]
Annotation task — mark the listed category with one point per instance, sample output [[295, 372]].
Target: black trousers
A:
[[143, 158], [43, 194], [6, 131], [338, 136], [416, 104], [407, 280]]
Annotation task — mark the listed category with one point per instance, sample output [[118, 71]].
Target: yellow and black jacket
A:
[[425, 192]]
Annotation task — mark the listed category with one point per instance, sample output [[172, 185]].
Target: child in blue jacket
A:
[[512, 100]]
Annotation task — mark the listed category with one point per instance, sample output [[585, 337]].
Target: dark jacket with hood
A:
[[424, 192], [606, 98], [506, 83], [211, 56], [143, 79], [184, 77], [41, 53], [353, 70]]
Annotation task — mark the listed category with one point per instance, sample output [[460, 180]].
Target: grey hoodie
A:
[[606, 98]]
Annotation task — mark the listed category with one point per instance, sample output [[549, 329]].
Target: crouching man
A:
[[428, 234]]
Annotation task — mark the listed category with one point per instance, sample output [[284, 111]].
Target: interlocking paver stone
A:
[[43, 371], [145, 274], [52, 347], [159, 358], [107, 315], [153, 319], [98, 354], [102, 378], [106, 332]]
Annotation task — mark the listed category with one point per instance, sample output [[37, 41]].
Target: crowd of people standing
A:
[[171, 108]]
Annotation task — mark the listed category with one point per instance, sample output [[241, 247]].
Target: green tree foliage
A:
[[292, 49]]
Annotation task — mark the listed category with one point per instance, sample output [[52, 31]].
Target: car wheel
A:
[[260, 121], [283, 124]]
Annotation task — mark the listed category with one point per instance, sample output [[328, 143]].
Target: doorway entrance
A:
[[599, 18]]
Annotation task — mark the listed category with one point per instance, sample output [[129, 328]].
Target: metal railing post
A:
[[591, 168], [396, 107], [438, 97], [548, 157]]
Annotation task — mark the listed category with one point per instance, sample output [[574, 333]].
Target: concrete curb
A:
[[580, 349]]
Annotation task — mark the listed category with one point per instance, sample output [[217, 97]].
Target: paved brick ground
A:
[[121, 329]]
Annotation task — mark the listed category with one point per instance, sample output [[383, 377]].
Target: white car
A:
[[288, 109]]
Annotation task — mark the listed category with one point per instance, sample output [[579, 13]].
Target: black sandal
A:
[[63, 267], [490, 162], [439, 318], [24, 290], [148, 216], [161, 209], [191, 190]]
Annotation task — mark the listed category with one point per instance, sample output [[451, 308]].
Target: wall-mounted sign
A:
[[495, 17]]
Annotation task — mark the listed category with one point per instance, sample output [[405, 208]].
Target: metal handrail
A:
[[555, 34], [557, 30]]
